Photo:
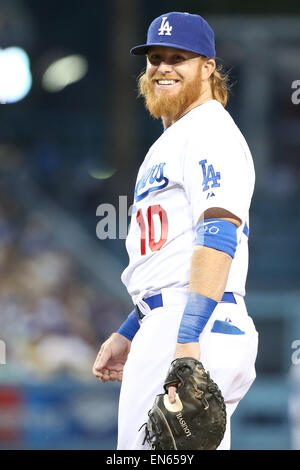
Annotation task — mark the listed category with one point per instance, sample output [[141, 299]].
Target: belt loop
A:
[[228, 297], [154, 301], [139, 314]]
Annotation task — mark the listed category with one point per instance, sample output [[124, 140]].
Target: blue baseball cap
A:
[[181, 31]]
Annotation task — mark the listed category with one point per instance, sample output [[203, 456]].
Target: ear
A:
[[208, 67]]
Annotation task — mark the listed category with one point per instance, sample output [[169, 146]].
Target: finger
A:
[[104, 379], [99, 373], [120, 376], [105, 376], [113, 375], [99, 354], [109, 375], [102, 360], [96, 372], [172, 394], [105, 372]]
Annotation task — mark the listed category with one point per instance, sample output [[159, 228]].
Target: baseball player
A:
[[188, 237]]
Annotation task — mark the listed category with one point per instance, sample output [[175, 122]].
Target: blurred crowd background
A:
[[74, 140]]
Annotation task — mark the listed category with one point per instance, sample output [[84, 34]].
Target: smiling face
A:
[[173, 82]]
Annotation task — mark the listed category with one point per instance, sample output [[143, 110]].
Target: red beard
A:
[[170, 107]]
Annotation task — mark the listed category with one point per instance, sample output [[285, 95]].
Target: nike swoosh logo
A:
[[213, 222]]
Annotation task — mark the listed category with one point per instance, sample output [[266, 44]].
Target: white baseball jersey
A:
[[199, 162]]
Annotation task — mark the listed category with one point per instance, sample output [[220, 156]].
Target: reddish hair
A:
[[220, 85]]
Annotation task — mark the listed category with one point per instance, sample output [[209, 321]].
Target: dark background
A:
[[60, 288]]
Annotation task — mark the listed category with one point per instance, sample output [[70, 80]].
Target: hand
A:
[[111, 358], [183, 350]]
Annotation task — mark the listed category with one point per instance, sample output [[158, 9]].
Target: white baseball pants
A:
[[230, 359]]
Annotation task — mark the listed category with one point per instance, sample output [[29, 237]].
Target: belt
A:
[[156, 301]]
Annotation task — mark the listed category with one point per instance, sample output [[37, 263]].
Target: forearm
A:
[[210, 266], [208, 277], [209, 272]]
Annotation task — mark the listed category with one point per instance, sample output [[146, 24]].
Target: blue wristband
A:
[[130, 326], [195, 316]]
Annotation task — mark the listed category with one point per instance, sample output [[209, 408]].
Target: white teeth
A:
[[166, 82]]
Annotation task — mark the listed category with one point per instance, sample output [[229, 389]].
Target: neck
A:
[[203, 98]]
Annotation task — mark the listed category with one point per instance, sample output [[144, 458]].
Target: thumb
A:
[[102, 359]]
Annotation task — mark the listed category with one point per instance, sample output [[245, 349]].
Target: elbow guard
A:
[[218, 234]]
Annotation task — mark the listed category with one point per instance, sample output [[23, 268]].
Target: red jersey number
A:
[[151, 211]]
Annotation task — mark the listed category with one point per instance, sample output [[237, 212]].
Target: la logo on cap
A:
[[165, 28]]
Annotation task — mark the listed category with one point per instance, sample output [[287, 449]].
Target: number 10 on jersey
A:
[[153, 212]]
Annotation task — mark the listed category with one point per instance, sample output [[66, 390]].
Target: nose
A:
[[164, 67]]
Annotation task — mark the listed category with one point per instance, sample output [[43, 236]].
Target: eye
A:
[[179, 58], [154, 59]]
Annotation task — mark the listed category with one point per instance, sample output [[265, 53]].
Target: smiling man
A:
[[175, 82], [188, 238]]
